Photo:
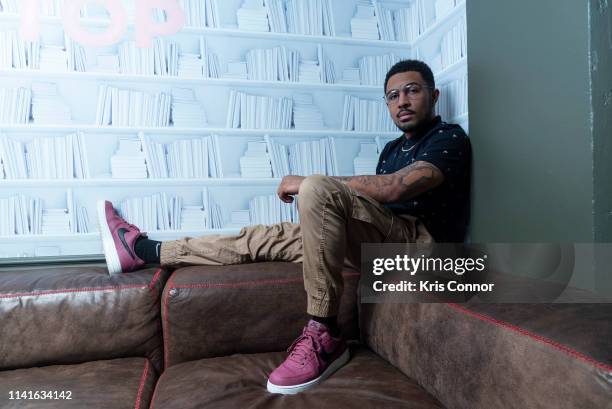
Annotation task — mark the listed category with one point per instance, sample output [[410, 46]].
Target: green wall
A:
[[531, 122]]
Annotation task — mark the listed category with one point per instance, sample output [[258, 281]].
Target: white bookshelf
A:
[[79, 90]]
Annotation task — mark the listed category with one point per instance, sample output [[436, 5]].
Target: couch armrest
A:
[[499, 355], [213, 311], [79, 314]]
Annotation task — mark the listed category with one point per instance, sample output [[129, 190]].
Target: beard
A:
[[416, 123], [409, 127]]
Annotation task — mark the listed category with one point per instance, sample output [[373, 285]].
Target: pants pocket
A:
[[368, 210]]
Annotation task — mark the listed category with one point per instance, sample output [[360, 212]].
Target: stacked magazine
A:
[[306, 115], [188, 158], [15, 53], [364, 23], [269, 210], [53, 58], [20, 215], [272, 64], [210, 61], [386, 25], [453, 100], [184, 159], [365, 115], [156, 60], [213, 211], [259, 111], [302, 158], [186, 110], [373, 68], [55, 222], [255, 163], [159, 211], [13, 161], [454, 45], [367, 159], [253, 16], [124, 107], [410, 22], [47, 106], [200, 13], [276, 16], [310, 17], [61, 157], [15, 105], [79, 220], [128, 162]]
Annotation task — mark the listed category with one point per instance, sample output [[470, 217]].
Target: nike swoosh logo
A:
[[121, 233]]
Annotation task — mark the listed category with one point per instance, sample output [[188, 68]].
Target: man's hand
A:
[[289, 186]]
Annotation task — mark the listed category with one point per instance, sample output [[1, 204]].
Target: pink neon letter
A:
[[112, 35], [30, 20], [147, 28]]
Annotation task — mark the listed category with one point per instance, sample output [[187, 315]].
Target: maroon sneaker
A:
[[118, 238], [313, 357]]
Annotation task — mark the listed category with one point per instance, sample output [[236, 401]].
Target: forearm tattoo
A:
[[417, 178], [404, 184]]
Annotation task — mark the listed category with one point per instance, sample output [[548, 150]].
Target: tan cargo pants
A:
[[334, 220]]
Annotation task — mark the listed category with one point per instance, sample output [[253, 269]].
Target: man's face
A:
[[410, 110]]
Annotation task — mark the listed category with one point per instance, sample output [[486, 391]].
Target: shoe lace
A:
[[304, 346]]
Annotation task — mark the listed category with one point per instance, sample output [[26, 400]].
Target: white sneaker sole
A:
[[108, 244], [293, 389]]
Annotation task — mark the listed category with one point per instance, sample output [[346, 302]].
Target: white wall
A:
[[80, 90]]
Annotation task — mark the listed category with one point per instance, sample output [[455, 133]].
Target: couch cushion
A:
[[119, 383], [239, 381], [79, 314], [499, 355], [213, 311]]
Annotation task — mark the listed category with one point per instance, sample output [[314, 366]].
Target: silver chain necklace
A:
[[411, 148]]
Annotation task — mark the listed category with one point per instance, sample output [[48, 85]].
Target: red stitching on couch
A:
[[545, 341], [74, 290], [240, 283], [155, 278], [165, 327], [143, 378], [86, 289]]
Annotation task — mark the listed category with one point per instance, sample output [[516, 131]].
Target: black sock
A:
[[148, 250], [330, 322]]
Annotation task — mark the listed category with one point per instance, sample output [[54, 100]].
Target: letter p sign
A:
[[147, 28]]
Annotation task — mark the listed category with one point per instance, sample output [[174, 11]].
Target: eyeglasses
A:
[[412, 91]]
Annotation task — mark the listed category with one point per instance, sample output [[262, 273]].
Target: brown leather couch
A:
[[207, 337]]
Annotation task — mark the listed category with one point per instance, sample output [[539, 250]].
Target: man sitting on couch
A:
[[419, 194]]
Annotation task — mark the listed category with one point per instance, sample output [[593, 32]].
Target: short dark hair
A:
[[412, 65]]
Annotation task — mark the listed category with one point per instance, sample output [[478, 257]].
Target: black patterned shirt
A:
[[445, 209]]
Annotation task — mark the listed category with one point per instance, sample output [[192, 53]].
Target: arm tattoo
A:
[[404, 184], [417, 178]]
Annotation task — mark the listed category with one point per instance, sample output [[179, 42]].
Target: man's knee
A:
[[320, 183], [315, 188], [316, 191]]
